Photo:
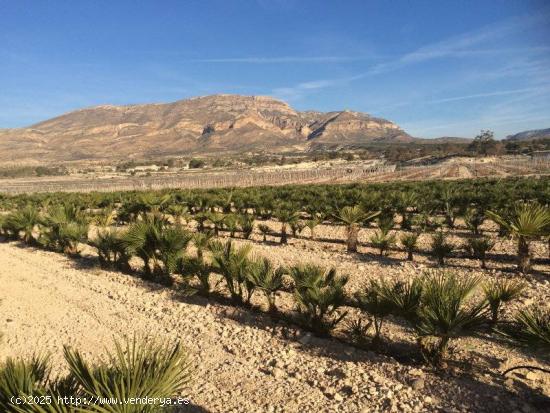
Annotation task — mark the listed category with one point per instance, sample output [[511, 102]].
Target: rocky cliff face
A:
[[209, 124]]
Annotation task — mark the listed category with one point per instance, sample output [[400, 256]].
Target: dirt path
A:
[[245, 362]]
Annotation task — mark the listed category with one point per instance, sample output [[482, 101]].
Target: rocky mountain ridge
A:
[[202, 125], [529, 135]]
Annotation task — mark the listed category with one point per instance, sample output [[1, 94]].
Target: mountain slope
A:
[[204, 125], [529, 135]]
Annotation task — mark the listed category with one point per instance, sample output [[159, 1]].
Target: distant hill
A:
[[203, 125], [529, 135], [445, 139]]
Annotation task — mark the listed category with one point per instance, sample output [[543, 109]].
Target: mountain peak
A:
[[204, 124]]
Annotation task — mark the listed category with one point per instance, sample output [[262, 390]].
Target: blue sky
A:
[[437, 68]]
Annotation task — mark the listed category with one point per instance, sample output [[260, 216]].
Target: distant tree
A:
[[196, 163], [484, 143]]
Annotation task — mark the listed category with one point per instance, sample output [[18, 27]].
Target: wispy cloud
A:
[[284, 59], [464, 45], [483, 95]]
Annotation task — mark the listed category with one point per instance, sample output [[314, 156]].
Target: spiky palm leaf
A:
[[136, 369], [478, 248], [246, 223], [499, 292], [383, 240], [531, 328], [286, 216], [65, 228]]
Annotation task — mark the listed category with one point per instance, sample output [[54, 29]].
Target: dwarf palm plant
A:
[[136, 369], [383, 240], [264, 230], [311, 224], [158, 245], [403, 297], [218, 221], [231, 224], [246, 223], [201, 240], [111, 249], [318, 295], [532, 327], [143, 239], [474, 218], [529, 221], [409, 243], [375, 304], [499, 292], [19, 378], [233, 265], [406, 203], [478, 248], [446, 313], [172, 244], [179, 212], [352, 218], [105, 218], [286, 216], [195, 267], [440, 248], [267, 279], [23, 221], [201, 219], [65, 229]]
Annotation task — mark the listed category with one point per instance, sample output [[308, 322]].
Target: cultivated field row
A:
[[247, 178]]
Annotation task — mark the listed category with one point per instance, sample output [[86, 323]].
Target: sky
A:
[[436, 68]]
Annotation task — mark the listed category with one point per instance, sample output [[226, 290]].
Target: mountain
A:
[[202, 125], [529, 135]]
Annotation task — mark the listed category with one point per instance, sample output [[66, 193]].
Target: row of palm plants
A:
[[441, 307], [141, 375], [435, 307], [60, 228]]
